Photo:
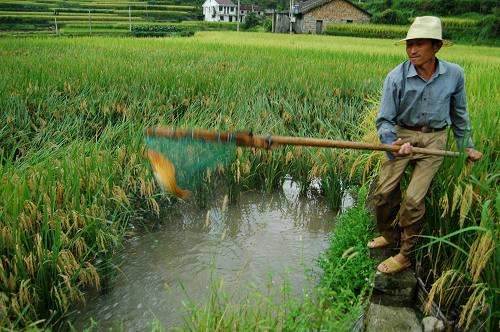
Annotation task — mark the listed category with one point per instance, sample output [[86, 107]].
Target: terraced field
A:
[[95, 17]]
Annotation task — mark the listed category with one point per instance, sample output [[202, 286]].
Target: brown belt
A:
[[423, 129]]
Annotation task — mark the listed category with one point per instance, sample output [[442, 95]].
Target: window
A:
[[232, 9], [221, 18], [220, 8]]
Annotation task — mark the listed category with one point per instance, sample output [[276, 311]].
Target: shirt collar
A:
[[440, 69]]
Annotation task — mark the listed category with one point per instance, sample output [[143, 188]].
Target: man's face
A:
[[421, 51]]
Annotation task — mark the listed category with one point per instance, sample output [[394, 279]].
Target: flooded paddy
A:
[[257, 243]]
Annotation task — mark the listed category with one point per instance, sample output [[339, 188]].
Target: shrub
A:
[[391, 16], [447, 7], [268, 25], [20, 7], [490, 26], [24, 19], [252, 20], [161, 31]]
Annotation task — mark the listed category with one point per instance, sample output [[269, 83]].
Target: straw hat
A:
[[428, 27]]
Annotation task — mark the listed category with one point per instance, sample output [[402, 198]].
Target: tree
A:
[[251, 20]]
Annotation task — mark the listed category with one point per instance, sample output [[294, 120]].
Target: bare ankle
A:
[[402, 257]]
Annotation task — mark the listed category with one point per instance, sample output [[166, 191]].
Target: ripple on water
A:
[[260, 236]]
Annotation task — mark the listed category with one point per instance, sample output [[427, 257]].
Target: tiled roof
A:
[[308, 5], [225, 2], [250, 7]]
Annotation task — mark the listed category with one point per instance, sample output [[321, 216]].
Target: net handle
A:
[[266, 142]]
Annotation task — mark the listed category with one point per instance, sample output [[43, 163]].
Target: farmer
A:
[[421, 97]]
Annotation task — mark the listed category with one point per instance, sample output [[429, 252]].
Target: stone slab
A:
[[391, 319], [393, 283], [392, 300]]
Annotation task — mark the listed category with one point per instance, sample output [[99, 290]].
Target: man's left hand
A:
[[473, 155]]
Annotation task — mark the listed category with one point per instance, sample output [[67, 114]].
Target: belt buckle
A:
[[426, 129]]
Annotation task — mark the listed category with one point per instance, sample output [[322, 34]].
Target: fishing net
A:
[[182, 164], [183, 159]]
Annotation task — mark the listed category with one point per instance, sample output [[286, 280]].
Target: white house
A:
[[219, 11]]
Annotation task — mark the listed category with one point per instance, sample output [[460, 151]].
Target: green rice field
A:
[[75, 178], [90, 17]]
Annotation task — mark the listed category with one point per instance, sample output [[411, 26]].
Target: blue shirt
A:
[[408, 99]]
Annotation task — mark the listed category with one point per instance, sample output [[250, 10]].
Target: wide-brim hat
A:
[[425, 27]]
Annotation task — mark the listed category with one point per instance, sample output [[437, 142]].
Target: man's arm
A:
[[386, 118], [460, 123]]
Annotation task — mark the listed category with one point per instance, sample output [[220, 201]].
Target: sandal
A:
[[392, 266], [378, 242]]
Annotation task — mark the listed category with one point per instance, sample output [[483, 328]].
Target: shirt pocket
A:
[[439, 112]]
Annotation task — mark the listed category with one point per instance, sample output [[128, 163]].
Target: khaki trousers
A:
[[400, 220]]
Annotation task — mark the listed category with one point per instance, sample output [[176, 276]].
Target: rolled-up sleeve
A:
[[386, 118], [459, 117]]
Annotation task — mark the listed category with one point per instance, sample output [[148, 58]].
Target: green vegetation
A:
[[85, 16], [468, 21], [333, 305], [160, 31], [433, 7], [457, 30], [74, 177], [367, 30]]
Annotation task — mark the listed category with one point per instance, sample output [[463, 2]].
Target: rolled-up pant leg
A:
[[387, 197], [413, 206]]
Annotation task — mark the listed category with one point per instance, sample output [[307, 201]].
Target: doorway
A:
[[319, 27]]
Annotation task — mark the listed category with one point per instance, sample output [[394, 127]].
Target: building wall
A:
[[221, 14], [336, 11]]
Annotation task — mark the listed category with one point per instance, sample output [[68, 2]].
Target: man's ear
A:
[[437, 45]]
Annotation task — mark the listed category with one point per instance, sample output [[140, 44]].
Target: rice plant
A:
[[74, 174]]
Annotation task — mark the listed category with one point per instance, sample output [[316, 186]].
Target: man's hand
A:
[[404, 148], [473, 155]]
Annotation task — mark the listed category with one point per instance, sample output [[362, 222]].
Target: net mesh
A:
[[182, 164]]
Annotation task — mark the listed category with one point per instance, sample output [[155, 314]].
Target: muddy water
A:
[[253, 244]]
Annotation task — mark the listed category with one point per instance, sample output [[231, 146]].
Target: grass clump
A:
[[334, 304], [161, 31]]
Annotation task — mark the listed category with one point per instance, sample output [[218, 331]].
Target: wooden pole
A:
[[90, 23], [55, 22], [290, 16], [267, 142], [272, 20], [238, 17], [129, 19]]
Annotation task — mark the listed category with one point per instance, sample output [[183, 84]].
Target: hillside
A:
[[470, 8], [90, 16]]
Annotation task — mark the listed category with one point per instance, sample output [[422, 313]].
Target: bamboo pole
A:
[[267, 142], [238, 17], [129, 19]]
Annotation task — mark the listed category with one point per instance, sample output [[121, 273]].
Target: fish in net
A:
[[180, 163], [181, 158]]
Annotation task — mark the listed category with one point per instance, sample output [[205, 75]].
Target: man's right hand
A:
[[404, 148]]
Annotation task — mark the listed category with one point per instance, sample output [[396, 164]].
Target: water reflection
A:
[[244, 243]]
